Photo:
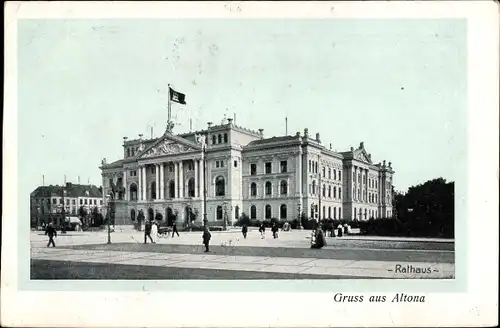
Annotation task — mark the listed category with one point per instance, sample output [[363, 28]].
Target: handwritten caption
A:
[[398, 298]]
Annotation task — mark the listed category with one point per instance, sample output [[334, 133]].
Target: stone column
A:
[[196, 191], [125, 194], [139, 187], [144, 184], [176, 179], [181, 180], [162, 181], [157, 179]]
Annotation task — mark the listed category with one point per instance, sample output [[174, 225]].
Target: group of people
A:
[[151, 231]]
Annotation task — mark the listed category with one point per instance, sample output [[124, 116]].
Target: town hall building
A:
[[279, 177]]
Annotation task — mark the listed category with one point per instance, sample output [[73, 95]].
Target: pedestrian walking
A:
[[318, 239], [206, 238], [154, 232], [262, 230], [274, 229], [52, 232], [244, 231], [147, 232], [174, 230]]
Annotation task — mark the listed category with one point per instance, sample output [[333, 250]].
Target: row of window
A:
[[268, 168], [269, 188], [314, 210], [220, 189], [268, 212], [132, 151], [372, 197], [218, 139], [372, 183], [85, 201], [326, 191], [332, 173], [368, 214]]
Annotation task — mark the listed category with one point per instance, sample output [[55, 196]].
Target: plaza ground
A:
[[87, 256]]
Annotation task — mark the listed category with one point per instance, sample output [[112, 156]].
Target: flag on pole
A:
[[177, 97]]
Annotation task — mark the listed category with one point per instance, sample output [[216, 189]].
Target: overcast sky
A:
[[399, 86]]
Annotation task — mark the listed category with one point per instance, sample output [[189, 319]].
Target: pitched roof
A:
[[271, 140], [72, 190]]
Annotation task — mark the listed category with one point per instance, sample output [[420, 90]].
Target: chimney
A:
[[261, 132], [209, 125], [317, 138]]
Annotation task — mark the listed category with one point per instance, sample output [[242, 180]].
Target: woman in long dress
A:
[[154, 232]]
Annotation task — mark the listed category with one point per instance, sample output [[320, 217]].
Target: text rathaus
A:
[[279, 177]]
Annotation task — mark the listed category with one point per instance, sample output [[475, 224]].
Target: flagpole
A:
[[169, 107]]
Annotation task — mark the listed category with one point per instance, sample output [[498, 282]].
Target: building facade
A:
[[278, 177], [49, 201]]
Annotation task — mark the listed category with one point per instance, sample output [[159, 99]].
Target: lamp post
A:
[[110, 199], [299, 208], [225, 215], [203, 142]]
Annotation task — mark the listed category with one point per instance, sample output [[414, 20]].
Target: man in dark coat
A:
[[174, 230], [262, 230], [147, 232], [319, 239], [274, 229], [244, 231], [51, 231], [206, 238]]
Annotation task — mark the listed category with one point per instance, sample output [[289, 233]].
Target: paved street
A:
[[86, 255]]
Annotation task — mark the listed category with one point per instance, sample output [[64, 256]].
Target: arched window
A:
[[236, 212], [220, 186], [153, 190], [214, 140], [324, 212], [269, 188], [354, 215], [219, 212], [329, 212], [284, 187], [360, 214], [329, 191], [128, 152], [253, 189], [324, 190], [283, 211], [335, 192], [225, 137], [171, 189], [334, 174], [191, 187], [253, 212], [133, 191], [314, 187], [365, 214], [219, 139], [340, 211], [334, 212], [268, 211], [340, 193]]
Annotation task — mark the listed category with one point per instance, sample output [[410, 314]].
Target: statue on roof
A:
[[170, 126]]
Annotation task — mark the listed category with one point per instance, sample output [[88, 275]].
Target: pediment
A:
[[363, 156], [169, 145]]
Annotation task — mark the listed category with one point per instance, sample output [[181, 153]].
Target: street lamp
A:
[[109, 199], [225, 215], [202, 140], [299, 208]]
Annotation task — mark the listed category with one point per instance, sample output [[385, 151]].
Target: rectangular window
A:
[[340, 175], [67, 201], [85, 201], [268, 167], [73, 202], [340, 193], [100, 201], [153, 169], [216, 163], [330, 173], [235, 163], [324, 172], [253, 169], [95, 201], [54, 201], [60, 201], [284, 167], [81, 201], [221, 163], [310, 166]]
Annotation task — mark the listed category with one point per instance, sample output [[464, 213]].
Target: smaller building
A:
[[47, 202]]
